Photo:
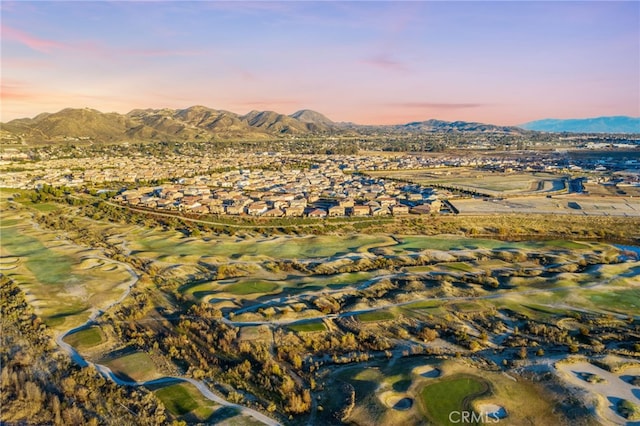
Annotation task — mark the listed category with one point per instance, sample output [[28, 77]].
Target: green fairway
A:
[[375, 316], [47, 266], [452, 394], [86, 338], [623, 301], [452, 242], [280, 247], [177, 399], [185, 401], [308, 326], [459, 266], [251, 287], [45, 207], [135, 366]]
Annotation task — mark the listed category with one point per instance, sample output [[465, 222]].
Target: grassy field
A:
[[625, 301], [136, 366], [63, 281], [184, 401], [47, 266], [451, 394], [454, 387], [250, 287], [277, 247], [453, 242], [86, 338], [307, 326], [374, 316]]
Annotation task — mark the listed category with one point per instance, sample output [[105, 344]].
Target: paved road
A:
[[107, 373]]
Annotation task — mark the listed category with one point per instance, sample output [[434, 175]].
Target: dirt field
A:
[[570, 204]]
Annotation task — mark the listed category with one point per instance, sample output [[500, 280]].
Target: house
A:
[[382, 211], [360, 211], [317, 213], [421, 209], [216, 208], [294, 211], [298, 202], [386, 201], [399, 210], [346, 202], [234, 209], [280, 204], [257, 208], [201, 210], [336, 211], [273, 213]]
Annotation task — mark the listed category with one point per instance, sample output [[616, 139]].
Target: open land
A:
[[328, 321]]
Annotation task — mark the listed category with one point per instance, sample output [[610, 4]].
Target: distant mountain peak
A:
[[459, 126], [199, 122], [310, 116], [612, 124]]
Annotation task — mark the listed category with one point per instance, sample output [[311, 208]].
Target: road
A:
[[108, 374]]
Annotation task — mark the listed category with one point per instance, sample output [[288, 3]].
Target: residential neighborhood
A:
[[320, 192]]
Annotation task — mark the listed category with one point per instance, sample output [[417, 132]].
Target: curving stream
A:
[[108, 374]]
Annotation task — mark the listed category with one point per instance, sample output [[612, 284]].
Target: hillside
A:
[[204, 124], [618, 124], [458, 127]]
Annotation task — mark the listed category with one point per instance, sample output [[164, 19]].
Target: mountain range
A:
[[203, 123], [617, 124]]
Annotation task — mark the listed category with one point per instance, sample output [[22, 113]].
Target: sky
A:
[[505, 62]]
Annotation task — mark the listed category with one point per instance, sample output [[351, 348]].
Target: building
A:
[[336, 211], [317, 213], [360, 211], [399, 210]]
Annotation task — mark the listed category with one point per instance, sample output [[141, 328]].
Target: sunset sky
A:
[[503, 62]]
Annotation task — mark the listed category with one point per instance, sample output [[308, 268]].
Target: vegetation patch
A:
[[177, 399], [628, 410], [86, 338], [47, 266], [626, 301], [375, 316], [309, 326], [184, 401], [251, 287], [451, 394], [136, 366]]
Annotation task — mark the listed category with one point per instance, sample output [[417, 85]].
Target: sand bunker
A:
[[427, 371], [90, 263], [608, 390], [397, 401], [8, 263], [493, 411]]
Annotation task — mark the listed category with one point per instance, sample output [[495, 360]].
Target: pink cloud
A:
[[33, 42], [90, 47], [385, 62]]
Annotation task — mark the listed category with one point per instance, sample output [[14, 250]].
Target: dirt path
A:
[[107, 373]]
